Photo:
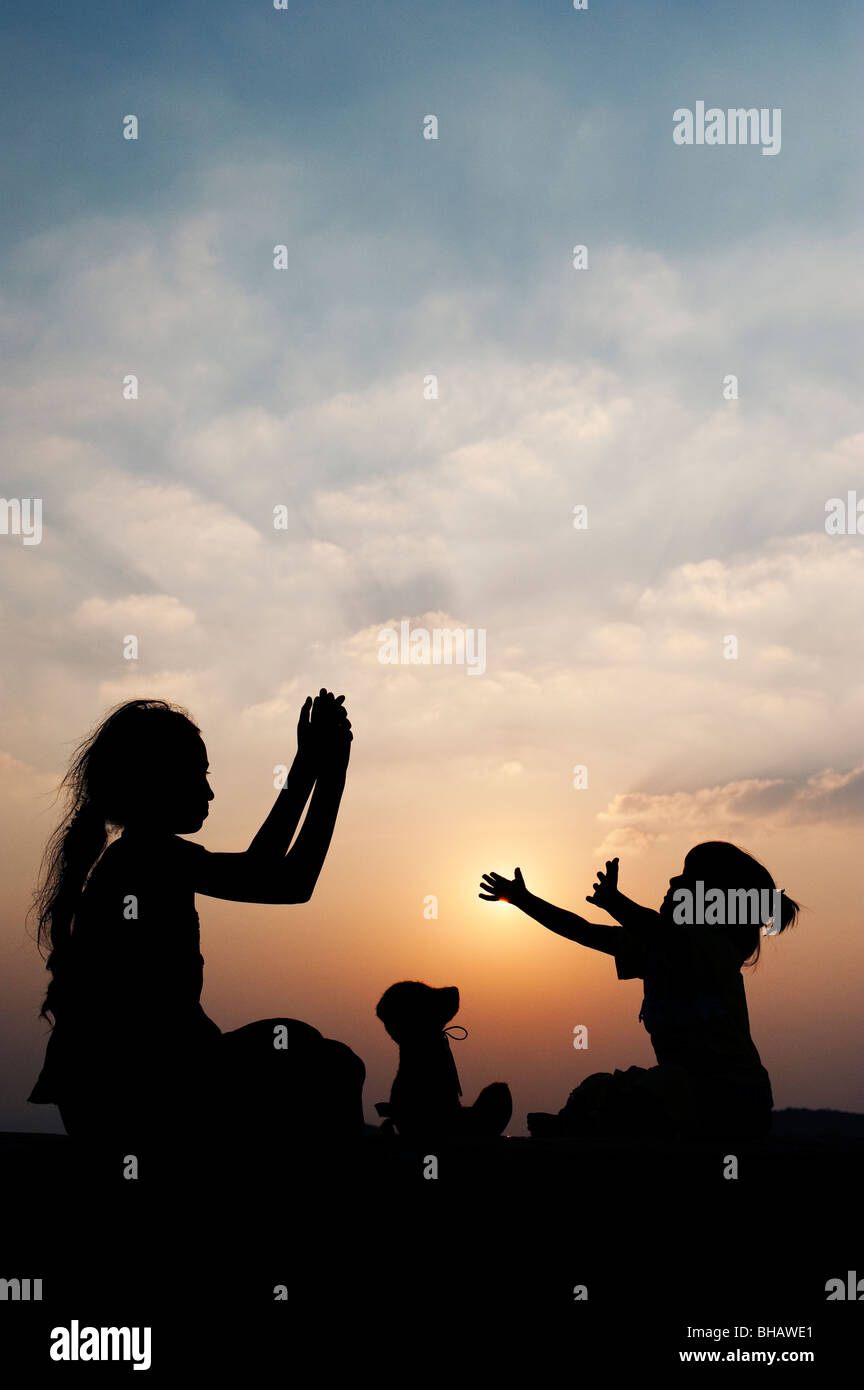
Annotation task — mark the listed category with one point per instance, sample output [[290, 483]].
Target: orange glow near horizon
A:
[[522, 989]]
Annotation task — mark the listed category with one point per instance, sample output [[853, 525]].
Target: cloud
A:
[[638, 820], [305, 390], [148, 612], [794, 583]]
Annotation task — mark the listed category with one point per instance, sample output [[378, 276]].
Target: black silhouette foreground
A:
[[425, 1099], [607, 1249], [709, 1079], [132, 1054]]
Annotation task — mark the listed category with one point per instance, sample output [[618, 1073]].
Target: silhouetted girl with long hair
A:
[[709, 1079], [132, 1052]]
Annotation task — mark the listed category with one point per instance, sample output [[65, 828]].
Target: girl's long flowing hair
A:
[[99, 787]]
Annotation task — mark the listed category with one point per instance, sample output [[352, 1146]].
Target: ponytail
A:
[[789, 911], [70, 855]]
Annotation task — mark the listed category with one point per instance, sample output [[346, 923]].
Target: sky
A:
[[305, 388]]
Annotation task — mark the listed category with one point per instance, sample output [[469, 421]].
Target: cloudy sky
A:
[[303, 388]]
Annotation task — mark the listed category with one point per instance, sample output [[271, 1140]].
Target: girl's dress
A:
[[132, 1052], [131, 1040], [709, 1079]]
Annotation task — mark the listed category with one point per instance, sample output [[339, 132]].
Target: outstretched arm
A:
[[627, 913], [556, 919]]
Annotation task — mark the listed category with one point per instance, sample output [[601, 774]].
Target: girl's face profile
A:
[[193, 793], [175, 797], [679, 881]]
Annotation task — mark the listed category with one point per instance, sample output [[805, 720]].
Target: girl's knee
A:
[[277, 1035], [338, 1058]]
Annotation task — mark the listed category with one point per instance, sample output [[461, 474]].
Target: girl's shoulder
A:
[[166, 860], [679, 952], [164, 847]]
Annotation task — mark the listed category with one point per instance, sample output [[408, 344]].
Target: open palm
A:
[[495, 888]]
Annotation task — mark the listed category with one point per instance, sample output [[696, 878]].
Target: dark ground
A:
[[470, 1273]]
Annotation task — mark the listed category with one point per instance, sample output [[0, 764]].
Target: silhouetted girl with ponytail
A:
[[709, 1079], [132, 1052]]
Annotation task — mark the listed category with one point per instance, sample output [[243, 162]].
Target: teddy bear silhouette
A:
[[425, 1100]]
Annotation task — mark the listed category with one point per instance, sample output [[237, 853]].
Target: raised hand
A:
[[606, 886], [304, 728], [324, 731], [495, 888]]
